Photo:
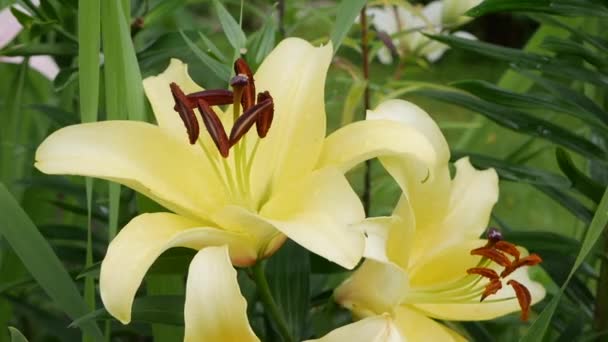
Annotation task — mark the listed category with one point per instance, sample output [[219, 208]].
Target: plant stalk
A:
[[259, 276], [367, 188]]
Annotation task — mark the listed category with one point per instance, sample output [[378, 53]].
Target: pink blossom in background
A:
[[9, 29]]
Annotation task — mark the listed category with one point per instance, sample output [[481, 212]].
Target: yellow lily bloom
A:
[[426, 261], [248, 191]]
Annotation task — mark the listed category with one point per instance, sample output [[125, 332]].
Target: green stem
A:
[[259, 276]]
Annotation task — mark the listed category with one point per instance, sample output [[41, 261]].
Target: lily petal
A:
[[415, 326], [449, 265], [294, 73], [388, 239], [145, 238], [374, 288], [138, 155], [215, 309], [373, 329], [160, 97], [472, 196], [363, 140], [319, 213]]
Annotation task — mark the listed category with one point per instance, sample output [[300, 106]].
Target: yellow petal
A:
[[363, 140], [318, 212], [428, 199], [373, 329], [374, 288], [146, 237], [294, 74], [415, 327], [388, 239], [162, 102], [451, 264], [215, 310], [138, 155], [472, 196]]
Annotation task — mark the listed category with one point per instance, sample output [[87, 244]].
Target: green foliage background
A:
[[531, 102]]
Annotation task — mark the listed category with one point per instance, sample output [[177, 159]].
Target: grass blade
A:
[[41, 261], [348, 10]]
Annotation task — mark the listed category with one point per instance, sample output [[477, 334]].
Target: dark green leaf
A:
[[40, 260], [16, 335], [348, 10], [220, 70], [579, 179], [150, 309], [515, 172], [568, 201], [520, 122], [231, 28], [559, 7], [288, 273], [35, 49]]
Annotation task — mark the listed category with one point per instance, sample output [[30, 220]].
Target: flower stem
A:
[[365, 51], [259, 276]]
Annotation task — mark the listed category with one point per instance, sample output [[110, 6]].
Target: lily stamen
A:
[[242, 68], [499, 251], [182, 106]]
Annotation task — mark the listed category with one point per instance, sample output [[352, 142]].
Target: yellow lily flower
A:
[[248, 190], [426, 261]]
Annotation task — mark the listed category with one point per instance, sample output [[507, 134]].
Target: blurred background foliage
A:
[[528, 98]]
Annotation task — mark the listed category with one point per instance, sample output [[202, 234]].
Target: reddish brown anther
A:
[[185, 112], [493, 286], [213, 97], [214, 127], [523, 297], [530, 260], [508, 248], [492, 254], [484, 272], [264, 121], [245, 121], [242, 68]]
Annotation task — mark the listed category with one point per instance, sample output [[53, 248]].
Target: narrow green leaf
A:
[[89, 34], [353, 100], [348, 10], [537, 331], [288, 273], [35, 49], [579, 179], [163, 285], [161, 10], [41, 261], [515, 172], [212, 47], [124, 88], [520, 122], [567, 201], [231, 27], [558, 7], [151, 309], [16, 335], [220, 70]]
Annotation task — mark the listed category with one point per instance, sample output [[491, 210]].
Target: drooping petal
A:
[[415, 326], [472, 196], [215, 309], [138, 155], [447, 266], [374, 288], [146, 237], [363, 140], [294, 74], [158, 93], [319, 213], [379, 328]]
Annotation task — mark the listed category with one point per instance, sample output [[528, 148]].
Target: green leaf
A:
[[587, 112], [161, 10], [212, 47], [515, 172], [16, 335], [220, 70], [150, 309], [231, 28], [35, 49], [520, 122], [348, 10], [124, 89], [353, 100], [288, 273], [538, 329], [41, 261], [579, 179], [567, 201], [570, 47], [559, 7]]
